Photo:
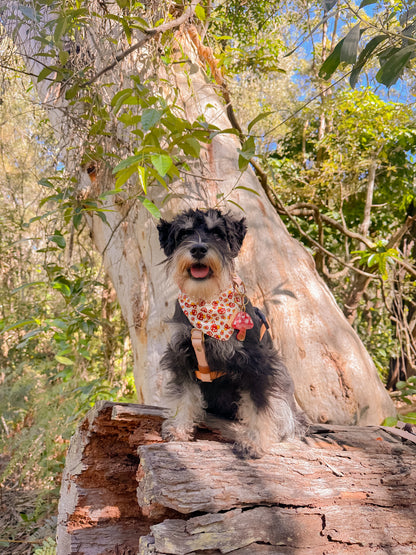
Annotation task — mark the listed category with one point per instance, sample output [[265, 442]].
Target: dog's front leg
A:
[[248, 432], [186, 406], [259, 428]]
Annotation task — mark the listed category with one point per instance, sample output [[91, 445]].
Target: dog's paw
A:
[[246, 451], [170, 432]]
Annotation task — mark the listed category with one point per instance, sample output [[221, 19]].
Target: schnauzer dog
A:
[[221, 358]]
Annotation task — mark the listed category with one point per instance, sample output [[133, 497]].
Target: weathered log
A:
[[343, 490]]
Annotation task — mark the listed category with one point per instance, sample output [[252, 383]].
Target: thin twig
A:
[[149, 34]]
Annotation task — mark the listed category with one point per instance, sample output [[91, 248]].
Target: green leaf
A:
[[62, 287], [126, 29], [72, 92], [97, 128], [162, 163], [408, 418], [45, 183], [44, 73], [124, 175], [150, 118], [60, 28], [63, 57], [29, 12], [349, 48], [393, 66], [332, 62], [248, 149], [243, 163], [18, 325], [366, 3], [120, 98], [130, 161], [248, 189], [153, 173], [77, 219], [141, 23], [64, 360], [390, 421], [58, 238], [142, 178], [191, 147], [235, 204], [25, 285], [150, 206], [328, 5], [258, 118], [200, 13], [364, 56], [129, 119], [246, 153], [32, 333]]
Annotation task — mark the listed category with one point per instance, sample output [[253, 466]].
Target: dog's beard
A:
[[202, 279]]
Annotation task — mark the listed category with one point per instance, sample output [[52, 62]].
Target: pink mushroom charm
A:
[[242, 322]]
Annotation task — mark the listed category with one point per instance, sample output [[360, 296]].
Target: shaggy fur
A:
[[256, 391]]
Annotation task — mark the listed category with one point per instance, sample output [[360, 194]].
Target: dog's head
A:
[[200, 247]]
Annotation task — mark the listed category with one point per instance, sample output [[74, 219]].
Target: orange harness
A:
[[204, 373]]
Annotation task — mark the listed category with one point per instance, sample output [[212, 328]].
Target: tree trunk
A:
[[335, 379], [348, 490]]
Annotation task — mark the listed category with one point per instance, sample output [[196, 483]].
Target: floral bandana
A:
[[215, 318]]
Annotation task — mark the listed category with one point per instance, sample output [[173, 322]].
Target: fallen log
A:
[[125, 491]]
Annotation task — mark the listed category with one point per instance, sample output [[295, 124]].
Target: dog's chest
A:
[[222, 352]]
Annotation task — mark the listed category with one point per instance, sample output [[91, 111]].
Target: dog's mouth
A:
[[200, 271]]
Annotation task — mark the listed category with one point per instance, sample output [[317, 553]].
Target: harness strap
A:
[[263, 330], [204, 372]]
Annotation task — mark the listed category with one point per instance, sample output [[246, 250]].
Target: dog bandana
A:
[[216, 317]]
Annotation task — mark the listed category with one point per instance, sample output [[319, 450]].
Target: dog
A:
[[221, 358]]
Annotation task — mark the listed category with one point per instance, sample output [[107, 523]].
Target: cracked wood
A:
[[343, 490]]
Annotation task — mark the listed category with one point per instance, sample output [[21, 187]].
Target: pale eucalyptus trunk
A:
[[335, 378]]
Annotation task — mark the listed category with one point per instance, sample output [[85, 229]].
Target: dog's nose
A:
[[199, 250]]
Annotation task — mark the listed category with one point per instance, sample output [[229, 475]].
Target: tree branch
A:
[[149, 34], [311, 209]]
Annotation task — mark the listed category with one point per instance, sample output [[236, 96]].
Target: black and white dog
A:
[[221, 358]]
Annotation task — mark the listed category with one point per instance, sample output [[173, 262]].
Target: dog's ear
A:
[[236, 230], [165, 237]]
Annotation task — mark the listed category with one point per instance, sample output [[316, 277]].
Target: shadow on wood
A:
[[125, 492]]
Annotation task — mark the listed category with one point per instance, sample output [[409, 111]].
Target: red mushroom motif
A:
[[242, 322]]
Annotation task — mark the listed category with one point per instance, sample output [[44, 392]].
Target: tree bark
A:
[[344, 490], [335, 379]]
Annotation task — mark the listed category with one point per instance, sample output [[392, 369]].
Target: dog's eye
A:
[[218, 232], [183, 234]]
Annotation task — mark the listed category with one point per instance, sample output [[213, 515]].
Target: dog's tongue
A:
[[199, 271]]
